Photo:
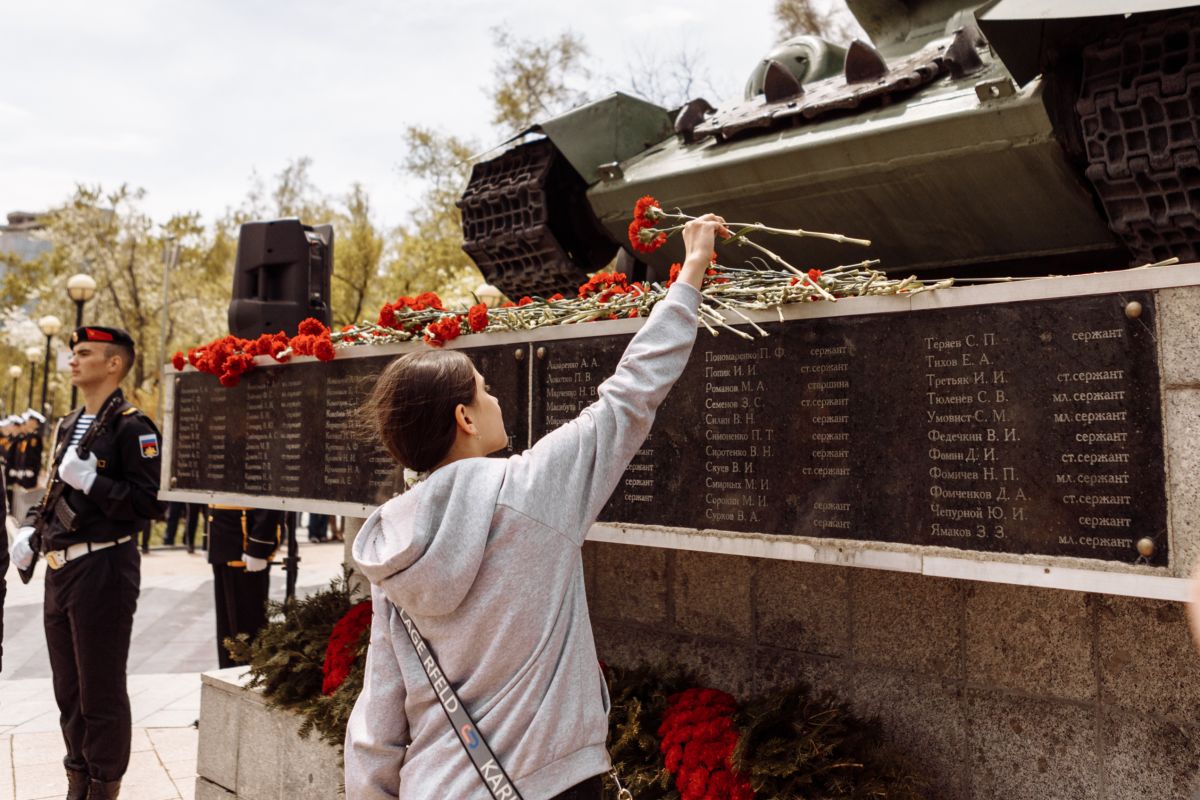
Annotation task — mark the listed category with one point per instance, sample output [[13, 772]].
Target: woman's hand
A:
[[698, 238]]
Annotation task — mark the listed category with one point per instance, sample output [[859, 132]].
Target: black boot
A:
[[103, 790], [77, 785]]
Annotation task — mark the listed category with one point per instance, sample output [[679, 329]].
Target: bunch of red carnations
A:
[[698, 737], [344, 642], [231, 357]]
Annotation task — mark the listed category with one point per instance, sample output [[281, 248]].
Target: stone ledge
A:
[[250, 751]]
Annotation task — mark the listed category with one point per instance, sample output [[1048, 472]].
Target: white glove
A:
[[254, 564], [21, 552], [76, 472]]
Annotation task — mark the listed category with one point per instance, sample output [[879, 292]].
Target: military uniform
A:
[[34, 445], [92, 584], [241, 596], [25, 462], [3, 569]]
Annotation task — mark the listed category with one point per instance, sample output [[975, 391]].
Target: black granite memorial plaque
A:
[[1021, 428], [291, 431]]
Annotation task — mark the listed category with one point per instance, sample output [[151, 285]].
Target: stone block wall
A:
[[251, 752], [991, 690]]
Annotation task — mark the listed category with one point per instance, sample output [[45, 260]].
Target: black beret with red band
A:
[[98, 333]]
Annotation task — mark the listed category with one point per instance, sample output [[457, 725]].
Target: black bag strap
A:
[[482, 758]]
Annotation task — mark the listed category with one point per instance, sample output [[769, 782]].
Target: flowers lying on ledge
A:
[[764, 281]]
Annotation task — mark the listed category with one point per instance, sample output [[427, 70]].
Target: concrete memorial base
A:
[[249, 751], [989, 690]]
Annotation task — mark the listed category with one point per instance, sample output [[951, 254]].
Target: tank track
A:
[[526, 223], [1139, 111]]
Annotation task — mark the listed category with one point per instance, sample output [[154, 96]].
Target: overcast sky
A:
[[186, 99]]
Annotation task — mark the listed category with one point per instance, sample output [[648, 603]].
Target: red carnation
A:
[[323, 348], [645, 238], [603, 282], [312, 327], [443, 330], [647, 209], [698, 739], [524, 301], [556, 296], [178, 361], [301, 345], [344, 642], [477, 317], [431, 300], [676, 268], [387, 316], [814, 275]]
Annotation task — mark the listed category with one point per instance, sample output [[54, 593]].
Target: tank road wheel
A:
[[527, 223], [1139, 111]]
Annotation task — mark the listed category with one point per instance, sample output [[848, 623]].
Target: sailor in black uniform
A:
[[3, 566], [241, 542], [93, 575], [32, 445]]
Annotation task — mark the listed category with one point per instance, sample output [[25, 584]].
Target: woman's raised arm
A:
[[566, 478]]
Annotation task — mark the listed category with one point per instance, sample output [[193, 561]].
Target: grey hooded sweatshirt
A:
[[485, 557]]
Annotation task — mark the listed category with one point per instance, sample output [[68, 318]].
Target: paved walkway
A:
[[174, 640]]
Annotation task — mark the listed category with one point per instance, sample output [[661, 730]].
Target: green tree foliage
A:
[[358, 254], [536, 79], [428, 255], [107, 235]]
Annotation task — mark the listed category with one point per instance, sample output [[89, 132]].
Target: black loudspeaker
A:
[[281, 278]]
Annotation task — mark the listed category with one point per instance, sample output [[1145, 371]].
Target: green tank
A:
[[1018, 137]]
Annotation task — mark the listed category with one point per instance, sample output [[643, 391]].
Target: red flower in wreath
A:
[[343, 645], [698, 738], [178, 360]]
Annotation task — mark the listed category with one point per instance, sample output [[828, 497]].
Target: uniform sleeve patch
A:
[[149, 445]]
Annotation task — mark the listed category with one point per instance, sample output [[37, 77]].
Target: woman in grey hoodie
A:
[[484, 555]]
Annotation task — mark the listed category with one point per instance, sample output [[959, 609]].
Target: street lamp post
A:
[[49, 326], [14, 372], [81, 287], [489, 295], [32, 354]]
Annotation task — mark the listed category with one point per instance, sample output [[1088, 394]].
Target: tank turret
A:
[[1015, 138]]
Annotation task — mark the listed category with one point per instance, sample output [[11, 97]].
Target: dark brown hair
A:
[[122, 351], [411, 408]]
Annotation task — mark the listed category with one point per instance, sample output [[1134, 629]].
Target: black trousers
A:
[[241, 605], [88, 615], [175, 512], [591, 789]]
